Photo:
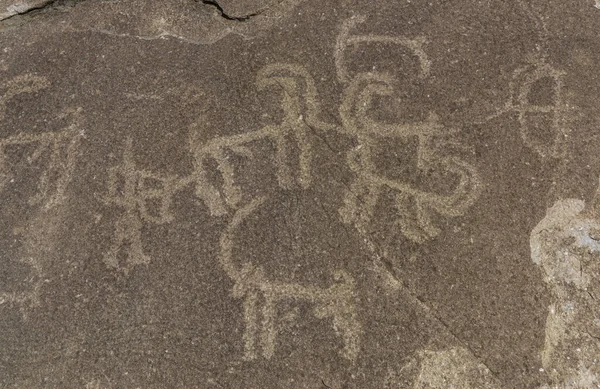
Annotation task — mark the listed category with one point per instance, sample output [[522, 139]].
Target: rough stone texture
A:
[[299, 194]]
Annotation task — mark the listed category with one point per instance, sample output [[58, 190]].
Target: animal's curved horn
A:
[[345, 39]]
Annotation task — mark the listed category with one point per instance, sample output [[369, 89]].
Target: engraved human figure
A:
[[133, 190], [261, 295], [294, 128], [55, 153], [414, 207], [259, 292]]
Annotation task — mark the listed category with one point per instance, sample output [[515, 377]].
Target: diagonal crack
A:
[[37, 8], [225, 15], [24, 11], [385, 265]]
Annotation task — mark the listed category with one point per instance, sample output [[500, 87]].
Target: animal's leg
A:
[[305, 157], [268, 327], [408, 225], [424, 219], [351, 209]]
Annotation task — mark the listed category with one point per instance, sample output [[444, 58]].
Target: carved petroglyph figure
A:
[[56, 151], [414, 207], [535, 118], [260, 293], [261, 296], [566, 246], [293, 128], [527, 111], [135, 191], [55, 154], [26, 83], [345, 39]]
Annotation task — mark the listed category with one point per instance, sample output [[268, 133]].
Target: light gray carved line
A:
[[300, 105], [25, 83], [354, 113], [344, 39], [61, 162], [250, 282]]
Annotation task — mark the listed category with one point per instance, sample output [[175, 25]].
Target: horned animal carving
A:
[[252, 285]]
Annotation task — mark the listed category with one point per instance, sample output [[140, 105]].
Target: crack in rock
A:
[[26, 9], [224, 15]]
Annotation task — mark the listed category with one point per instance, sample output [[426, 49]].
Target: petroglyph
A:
[[520, 102], [135, 190], [415, 208], [564, 244], [54, 153], [345, 39], [536, 119], [38, 247], [57, 151], [132, 188], [251, 284], [26, 83], [294, 127], [433, 145]]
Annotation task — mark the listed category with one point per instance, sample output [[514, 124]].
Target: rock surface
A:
[[299, 194]]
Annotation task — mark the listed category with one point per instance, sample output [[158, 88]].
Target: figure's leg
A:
[[205, 191], [369, 203], [232, 192], [351, 338], [282, 156], [350, 210], [136, 254], [251, 319], [362, 196], [64, 169], [45, 178], [111, 257]]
